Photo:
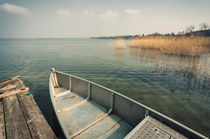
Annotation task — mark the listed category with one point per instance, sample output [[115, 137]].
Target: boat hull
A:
[[84, 108]]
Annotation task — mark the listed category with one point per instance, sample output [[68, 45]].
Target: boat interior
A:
[[88, 110]]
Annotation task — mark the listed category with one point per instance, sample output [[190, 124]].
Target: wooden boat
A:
[[87, 110]]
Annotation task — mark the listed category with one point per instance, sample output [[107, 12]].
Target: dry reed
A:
[[193, 45], [120, 43]]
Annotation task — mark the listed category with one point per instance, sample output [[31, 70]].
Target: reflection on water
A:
[[178, 86], [119, 45], [120, 52], [193, 72]]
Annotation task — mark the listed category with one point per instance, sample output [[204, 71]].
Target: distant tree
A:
[[180, 33], [167, 34], [190, 29], [203, 26], [172, 34]]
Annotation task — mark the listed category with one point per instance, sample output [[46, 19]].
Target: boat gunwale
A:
[[54, 106], [123, 96]]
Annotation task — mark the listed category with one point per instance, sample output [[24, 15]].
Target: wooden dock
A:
[[20, 117]]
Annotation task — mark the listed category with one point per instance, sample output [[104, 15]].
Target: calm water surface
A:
[[177, 86]]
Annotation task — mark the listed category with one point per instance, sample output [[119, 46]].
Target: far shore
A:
[[188, 44]]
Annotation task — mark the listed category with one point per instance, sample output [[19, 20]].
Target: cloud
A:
[[88, 13], [63, 12], [14, 9], [132, 11], [108, 15]]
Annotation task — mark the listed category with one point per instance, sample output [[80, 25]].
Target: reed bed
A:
[[184, 45], [120, 43]]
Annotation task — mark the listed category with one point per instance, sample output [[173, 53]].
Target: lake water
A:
[[177, 86]]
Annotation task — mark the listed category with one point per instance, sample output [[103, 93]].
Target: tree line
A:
[[203, 30]]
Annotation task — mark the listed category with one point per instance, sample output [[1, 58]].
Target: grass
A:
[[184, 45]]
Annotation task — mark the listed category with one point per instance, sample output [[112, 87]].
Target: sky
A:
[[91, 18]]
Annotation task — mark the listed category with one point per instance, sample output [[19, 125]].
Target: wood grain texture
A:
[[14, 92], [37, 124], [2, 83], [20, 117], [2, 126], [7, 88], [16, 127]]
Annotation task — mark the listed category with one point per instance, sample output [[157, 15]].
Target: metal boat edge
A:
[[186, 131]]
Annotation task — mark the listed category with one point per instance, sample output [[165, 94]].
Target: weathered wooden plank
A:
[[9, 87], [23, 119], [37, 124], [9, 81], [2, 126], [1, 107], [16, 126], [14, 92]]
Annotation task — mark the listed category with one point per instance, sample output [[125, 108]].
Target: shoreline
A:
[[192, 46]]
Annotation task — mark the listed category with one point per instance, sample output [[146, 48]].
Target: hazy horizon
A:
[[92, 18]]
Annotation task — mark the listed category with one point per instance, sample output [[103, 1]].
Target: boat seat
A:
[[65, 100], [82, 117], [150, 128], [112, 127]]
